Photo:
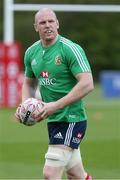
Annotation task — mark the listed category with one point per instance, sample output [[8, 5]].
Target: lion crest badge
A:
[[58, 60]]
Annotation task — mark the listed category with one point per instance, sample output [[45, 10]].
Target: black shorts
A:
[[68, 134]]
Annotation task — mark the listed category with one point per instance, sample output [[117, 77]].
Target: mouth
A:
[[48, 32]]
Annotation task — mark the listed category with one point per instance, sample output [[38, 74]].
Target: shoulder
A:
[[33, 47], [70, 45], [71, 48], [66, 43]]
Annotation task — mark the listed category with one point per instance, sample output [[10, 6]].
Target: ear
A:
[[57, 24], [35, 26]]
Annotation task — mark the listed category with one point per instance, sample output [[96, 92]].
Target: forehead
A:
[[45, 15]]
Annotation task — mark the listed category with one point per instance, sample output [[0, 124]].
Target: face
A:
[[46, 24]]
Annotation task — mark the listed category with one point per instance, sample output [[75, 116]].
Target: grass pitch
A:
[[22, 148]]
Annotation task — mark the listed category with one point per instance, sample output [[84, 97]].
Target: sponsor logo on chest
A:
[[45, 80], [44, 74]]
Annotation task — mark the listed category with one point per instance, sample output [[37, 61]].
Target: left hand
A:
[[48, 109]]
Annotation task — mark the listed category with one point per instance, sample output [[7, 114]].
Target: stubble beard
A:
[[49, 40]]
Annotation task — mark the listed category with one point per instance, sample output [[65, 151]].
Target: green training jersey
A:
[[55, 69]]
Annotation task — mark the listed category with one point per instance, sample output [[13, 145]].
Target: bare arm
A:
[[28, 88], [81, 89]]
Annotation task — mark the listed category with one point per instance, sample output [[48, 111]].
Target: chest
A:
[[48, 63]]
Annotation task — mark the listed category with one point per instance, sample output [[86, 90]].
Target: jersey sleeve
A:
[[76, 59], [27, 63]]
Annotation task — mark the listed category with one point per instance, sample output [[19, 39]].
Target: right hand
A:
[[17, 113]]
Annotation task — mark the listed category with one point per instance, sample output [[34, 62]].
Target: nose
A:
[[47, 24]]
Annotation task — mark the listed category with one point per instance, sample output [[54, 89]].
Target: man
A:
[[64, 77]]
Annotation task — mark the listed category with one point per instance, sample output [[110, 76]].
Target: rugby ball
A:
[[29, 112]]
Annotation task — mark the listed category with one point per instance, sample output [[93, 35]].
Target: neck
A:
[[47, 43]]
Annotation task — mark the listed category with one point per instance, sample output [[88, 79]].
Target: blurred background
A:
[[22, 148]]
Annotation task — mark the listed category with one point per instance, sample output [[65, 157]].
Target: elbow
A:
[[90, 87]]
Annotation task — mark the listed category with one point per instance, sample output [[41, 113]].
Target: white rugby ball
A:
[[29, 111]]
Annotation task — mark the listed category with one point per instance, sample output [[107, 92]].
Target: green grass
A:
[[22, 148]]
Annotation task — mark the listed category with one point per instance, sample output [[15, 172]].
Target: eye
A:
[[42, 22], [51, 21]]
